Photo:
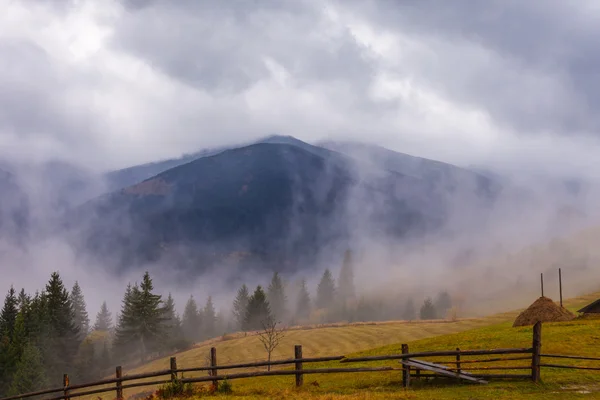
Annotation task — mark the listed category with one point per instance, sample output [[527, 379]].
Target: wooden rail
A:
[[458, 366]]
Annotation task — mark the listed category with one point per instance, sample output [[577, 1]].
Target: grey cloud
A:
[[531, 65], [221, 46]]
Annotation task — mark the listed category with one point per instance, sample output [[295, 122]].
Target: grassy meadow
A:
[[580, 337]]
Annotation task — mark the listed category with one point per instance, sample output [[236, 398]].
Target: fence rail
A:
[[457, 365]]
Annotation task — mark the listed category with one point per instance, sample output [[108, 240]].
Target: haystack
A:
[[544, 310]]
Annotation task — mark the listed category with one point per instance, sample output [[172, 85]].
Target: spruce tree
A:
[[409, 313], [103, 319], [126, 334], [276, 297], [148, 323], [240, 304], [346, 290], [326, 290], [8, 315], [23, 300], [105, 359], [29, 374], [443, 303], [174, 332], [191, 321], [258, 311], [428, 309], [209, 319], [64, 334], [303, 302], [82, 320]]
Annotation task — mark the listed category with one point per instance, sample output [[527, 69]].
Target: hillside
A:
[[14, 209], [576, 337], [277, 202]]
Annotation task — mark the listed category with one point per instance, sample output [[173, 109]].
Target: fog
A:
[[489, 261], [89, 87]]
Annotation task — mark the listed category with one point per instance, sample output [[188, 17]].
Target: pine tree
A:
[[258, 310], [303, 302], [82, 320], [409, 313], [29, 375], [428, 309], [209, 319], [240, 304], [24, 301], [346, 290], [146, 324], [103, 319], [8, 315], [126, 334], [326, 291], [443, 303], [276, 297], [64, 334], [191, 321], [174, 332]]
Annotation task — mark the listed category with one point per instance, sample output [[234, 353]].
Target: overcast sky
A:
[[116, 83]]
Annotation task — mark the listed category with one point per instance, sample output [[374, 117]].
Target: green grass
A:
[[581, 337]]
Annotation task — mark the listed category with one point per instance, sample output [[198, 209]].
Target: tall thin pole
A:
[[560, 285], [542, 280]]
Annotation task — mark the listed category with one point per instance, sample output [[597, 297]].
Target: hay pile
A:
[[544, 310]]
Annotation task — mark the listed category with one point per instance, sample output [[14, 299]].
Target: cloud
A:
[[116, 83]]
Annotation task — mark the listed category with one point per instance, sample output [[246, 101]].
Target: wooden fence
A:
[[457, 359]]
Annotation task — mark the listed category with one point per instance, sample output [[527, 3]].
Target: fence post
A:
[[66, 386], [405, 369], [213, 363], [119, 375], [298, 356], [173, 369], [537, 350], [458, 360]]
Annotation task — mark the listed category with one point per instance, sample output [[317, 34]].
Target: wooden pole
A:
[[173, 369], [119, 375], [537, 351], [213, 363], [405, 369], [299, 375], [542, 280], [66, 386], [458, 360], [560, 285]]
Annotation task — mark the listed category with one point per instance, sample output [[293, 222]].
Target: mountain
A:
[[444, 176], [276, 204], [14, 209]]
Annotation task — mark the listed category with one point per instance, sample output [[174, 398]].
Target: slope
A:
[[576, 337], [14, 210], [276, 201]]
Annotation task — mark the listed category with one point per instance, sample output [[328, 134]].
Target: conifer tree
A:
[[303, 302], [276, 297], [143, 322], [326, 290], [126, 333], [23, 300], [409, 313], [82, 320], [428, 309], [191, 321], [64, 334], [105, 359], [8, 315], [240, 304], [29, 375], [346, 290], [258, 310], [103, 319], [209, 318], [174, 332], [443, 303]]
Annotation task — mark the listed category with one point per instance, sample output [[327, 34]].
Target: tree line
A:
[[49, 333]]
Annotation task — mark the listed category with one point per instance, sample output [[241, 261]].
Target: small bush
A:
[[175, 388], [225, 387]]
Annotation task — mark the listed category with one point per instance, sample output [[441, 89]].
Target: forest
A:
[[49, 333]]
